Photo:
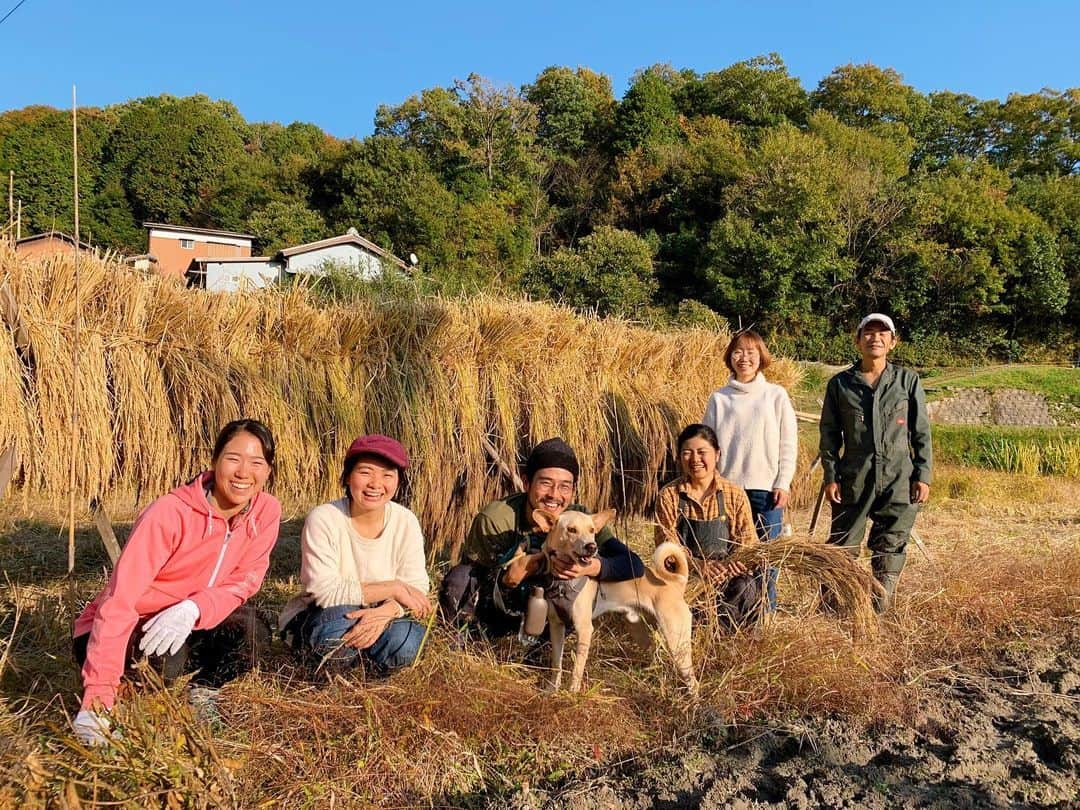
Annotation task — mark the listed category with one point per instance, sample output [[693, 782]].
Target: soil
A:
[[1010, 740]]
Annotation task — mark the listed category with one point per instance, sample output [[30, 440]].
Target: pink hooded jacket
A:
[[179, 549]]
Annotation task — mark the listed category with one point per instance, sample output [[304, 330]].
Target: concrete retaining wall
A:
[[977, 406]]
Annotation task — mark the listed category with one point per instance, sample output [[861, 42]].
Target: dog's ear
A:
[[603, 519], [544, 520]]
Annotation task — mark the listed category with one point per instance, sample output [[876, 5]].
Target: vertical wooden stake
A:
[[75, 340], [818, 502]]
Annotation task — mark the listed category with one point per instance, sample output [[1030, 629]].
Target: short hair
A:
[[697, 431], [756, 340], [403, 489]]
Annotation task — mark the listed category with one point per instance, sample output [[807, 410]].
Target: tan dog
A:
[[657, 594]]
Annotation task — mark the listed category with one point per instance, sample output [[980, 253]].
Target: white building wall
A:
[[366, 265], [236, 276]]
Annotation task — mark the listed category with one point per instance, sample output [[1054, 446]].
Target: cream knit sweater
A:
[[335, 561], [755, 424]]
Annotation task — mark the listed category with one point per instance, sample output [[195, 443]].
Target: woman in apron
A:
[[710, 516]]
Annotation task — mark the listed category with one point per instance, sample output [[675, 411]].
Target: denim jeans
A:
[[768, 520], [397, 647]]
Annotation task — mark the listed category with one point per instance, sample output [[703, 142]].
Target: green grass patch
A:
[[1030, 451], [808, 394]]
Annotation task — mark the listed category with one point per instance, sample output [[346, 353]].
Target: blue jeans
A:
[[768, 520], [397, 647]]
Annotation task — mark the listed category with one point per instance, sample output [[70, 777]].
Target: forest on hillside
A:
[[734, 193]]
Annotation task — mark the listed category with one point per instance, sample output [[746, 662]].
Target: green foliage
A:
[[575, 108], [1038, 451], [610, 273], [871, 97], [692, 314], [758, 92], [758, 201], [279, 224], [647, 114]]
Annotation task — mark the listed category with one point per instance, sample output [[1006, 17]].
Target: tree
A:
[[872, 97], [1038, 133], [471, 130], [280, 224], [965, 246], [35, 144], [575, 109], [757, 92], [388, 191], [611, 273], [647, 114], [1056, 200], [169, 156]]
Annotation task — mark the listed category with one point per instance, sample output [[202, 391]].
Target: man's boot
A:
[[883, 599]]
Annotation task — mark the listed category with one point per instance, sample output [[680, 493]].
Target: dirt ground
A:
[[984, 742]]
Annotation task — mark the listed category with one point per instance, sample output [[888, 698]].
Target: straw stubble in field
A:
[[1005, 573]]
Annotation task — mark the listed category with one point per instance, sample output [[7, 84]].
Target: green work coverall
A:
[[875, 442]]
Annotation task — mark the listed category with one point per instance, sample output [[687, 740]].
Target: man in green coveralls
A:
[[876, 453]]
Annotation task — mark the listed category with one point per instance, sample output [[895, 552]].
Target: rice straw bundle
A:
[[164, 368], [846, 586]]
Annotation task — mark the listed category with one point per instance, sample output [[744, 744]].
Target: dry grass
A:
[[1005, 573], [162, 368], [169, 366]]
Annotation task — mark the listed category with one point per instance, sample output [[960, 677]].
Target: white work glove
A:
[[93, 728], [167, 631]]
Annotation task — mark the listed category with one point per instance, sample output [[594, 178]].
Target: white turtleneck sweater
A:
[[755, 424]]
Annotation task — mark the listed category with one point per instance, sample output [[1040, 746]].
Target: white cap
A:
[[877, 316]]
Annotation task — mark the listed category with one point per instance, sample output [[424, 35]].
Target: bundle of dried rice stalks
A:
[[841, 584], [162, 368]]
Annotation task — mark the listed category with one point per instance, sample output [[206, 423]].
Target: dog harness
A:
[[561, 594]]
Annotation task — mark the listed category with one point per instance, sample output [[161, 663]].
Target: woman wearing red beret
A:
[[362, 567]]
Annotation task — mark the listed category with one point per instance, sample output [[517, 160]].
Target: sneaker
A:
[[203, 701]]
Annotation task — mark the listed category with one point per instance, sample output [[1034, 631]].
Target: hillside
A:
[[732, 193]]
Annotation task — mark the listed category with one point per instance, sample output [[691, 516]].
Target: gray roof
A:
[[344, 239], [64, 237], [161, 226]]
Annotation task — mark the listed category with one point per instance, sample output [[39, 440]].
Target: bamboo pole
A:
[[75, 339], [18, 222]]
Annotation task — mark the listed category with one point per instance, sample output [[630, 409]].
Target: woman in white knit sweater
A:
[[362, 566], [755, 423]]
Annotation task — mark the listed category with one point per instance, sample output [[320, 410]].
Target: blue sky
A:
[[332, 63]]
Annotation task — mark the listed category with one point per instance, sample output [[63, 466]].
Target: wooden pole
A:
[[105, 530], [817, 510], [75, 339], [8, 460], [18, 222]]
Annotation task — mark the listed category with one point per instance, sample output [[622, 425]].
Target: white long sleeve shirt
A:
[[759, 440], [336, 561]]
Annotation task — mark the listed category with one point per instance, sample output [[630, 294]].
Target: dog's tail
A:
[[670, 563]]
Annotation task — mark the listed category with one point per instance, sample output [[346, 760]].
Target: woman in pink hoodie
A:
[[177, 592]]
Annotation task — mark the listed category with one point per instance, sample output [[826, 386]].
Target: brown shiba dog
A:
[[659, 594]]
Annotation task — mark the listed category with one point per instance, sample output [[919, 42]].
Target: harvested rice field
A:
[[966, 694]]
